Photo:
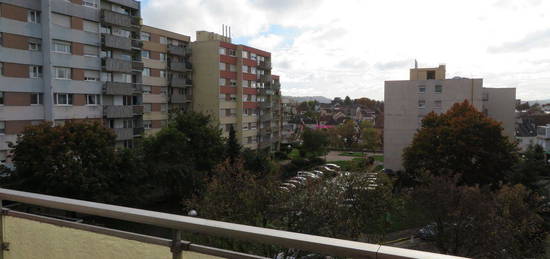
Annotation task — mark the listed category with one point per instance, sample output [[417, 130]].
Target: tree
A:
[[530, 168], [473, 222], [348, 133], [337, 100], [233, 149], [348, 101], [315, 142], [370, 138], [461, 141], [76, 160], [183, 154]]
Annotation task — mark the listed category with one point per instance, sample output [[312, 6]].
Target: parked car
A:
[[318, 173], [295, 182], [308, 175], [288, 185], [333, 166], [428, 232]]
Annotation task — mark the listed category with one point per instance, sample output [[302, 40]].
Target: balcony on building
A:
[[177, 50], [276, 85], [264, 65], [137, 110], [265, 105], [117, 19], [137, 44], [137, 65], [117, 65], [180, 82], [118, 111], [116, 42], [26, 234], [265, 91], [180, 66], [266, 117], [180, 98], [124, 133], [119, 88], [543, 132], [138, 131]]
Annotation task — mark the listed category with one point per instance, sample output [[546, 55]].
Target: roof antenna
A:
[[415, 63]]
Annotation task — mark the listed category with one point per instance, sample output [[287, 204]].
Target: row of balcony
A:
[[120, 65], [179, 50], [118, 88], [122, 111], [180, 82], [122, 20], [178, 98], [180, 66], [118, 42]]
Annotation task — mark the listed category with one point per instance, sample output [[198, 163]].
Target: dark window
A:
[[430, 75]]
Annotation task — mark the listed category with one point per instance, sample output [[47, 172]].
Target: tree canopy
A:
[[315, 142], [461, 141]]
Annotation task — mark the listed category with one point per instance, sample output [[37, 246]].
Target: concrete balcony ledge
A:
[[117, 42], [180, 98], [118, 111], [180, 82], [114, 18], [29, 234], [117, 65], [180, 66], [117, 88], [176, 50], [124, 133]]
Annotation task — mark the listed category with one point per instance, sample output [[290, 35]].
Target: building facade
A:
[[406, 102], [167, 76], [543, 138], [69, 60], [234, 85]]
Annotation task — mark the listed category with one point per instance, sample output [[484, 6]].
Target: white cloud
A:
[[349, 47]]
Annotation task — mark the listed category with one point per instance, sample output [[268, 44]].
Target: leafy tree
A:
[[531, 167], [76, 160], [183, 154], [473, 222], [315, 142], [370, 138], [348, 133], [461, 141], [523, 106], [233, 147], [337, 100], [348, 101]]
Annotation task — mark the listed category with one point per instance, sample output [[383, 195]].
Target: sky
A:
[[350, 47]]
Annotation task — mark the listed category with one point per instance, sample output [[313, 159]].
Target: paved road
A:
[[334, 156]]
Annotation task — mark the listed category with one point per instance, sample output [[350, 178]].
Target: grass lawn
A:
[[359, 154]]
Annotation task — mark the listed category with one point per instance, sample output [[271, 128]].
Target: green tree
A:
[[315, 142], [530, 168], [348, 101], [76, 160], [461, 141], [370, 138], [183, 154], [348, 133], [233, 149]]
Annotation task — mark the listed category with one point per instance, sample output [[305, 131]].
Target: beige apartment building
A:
[[233, 83], [167, 76], [406, 102]]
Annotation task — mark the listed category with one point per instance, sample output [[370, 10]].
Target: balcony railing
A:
[[264, 65], [176, 50], [137, 44], [117, 88], [180, 82], [124, 133], [176, 98], [138, 131], [180, 66], [137, 110], [19, 229], [117, 65], [117, 42], [137, 65], [114, 18], [118, 111]]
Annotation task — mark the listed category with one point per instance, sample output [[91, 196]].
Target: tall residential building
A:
[[76, 59], [406, 102], [233, 84], [167, 76]]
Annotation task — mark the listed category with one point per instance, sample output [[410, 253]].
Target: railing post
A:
[[176, 245]]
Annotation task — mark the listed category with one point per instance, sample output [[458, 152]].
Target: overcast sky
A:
[[349, 47]]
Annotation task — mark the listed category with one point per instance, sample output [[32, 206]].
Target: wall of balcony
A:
[[117, 42], [77, 112], [118, 111], [124, 133], [10, 55], [176, 98], [84, 62], [178, 66], [118, 65], [176, 50], [180, 82], [68, 34], [21, 28], [116, 18], [116, 88], [68, 8]]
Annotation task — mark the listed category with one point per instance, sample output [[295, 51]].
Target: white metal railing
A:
[[323, 245]]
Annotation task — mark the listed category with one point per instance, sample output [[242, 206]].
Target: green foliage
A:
[[315, 142], [370, 138], [348, 101], [233, 149], [76, 160], [348, 133], [530, 168], [461, 141], [183, 154]]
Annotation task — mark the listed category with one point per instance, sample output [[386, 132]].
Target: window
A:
[[91, 75], [253, 56], [145, 36], [128, 123], [245, 69], [37, 99], [249, 140], [62, 47], [421, 104], [437, 104], [162, 56], [118, 9], [35, 45], [106, 30], [128, 100], [61, 20], [163, 107], [34, 17], [63, 99], [146, 72], [106, 77], [147, 107], [128, 143], [163, 90], [93, 99], [1, 98], [222, 66], [430, 74], [232, 68], [163, 40], [91, 51], [421, 89], [35, 71], [232, 52], [163, 73], [121, 32], [2, 127], [245, 83], [90, 26], [245, 126], [245, 54], [63, 73], [145, 54], [90, 3], [252, 70], [147, 124], [106, 54], [1, 68], [233, 82], [146, 89], [438, 89], [222, 51], [222, 81]]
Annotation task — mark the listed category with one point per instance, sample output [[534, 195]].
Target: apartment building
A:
[[167, 76], [233, 83], [406, 102], [69, 60]]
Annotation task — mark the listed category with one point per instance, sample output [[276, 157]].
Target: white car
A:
[[295, 182], [288, 185], [318, 173], [307, 174], [333, 166]]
